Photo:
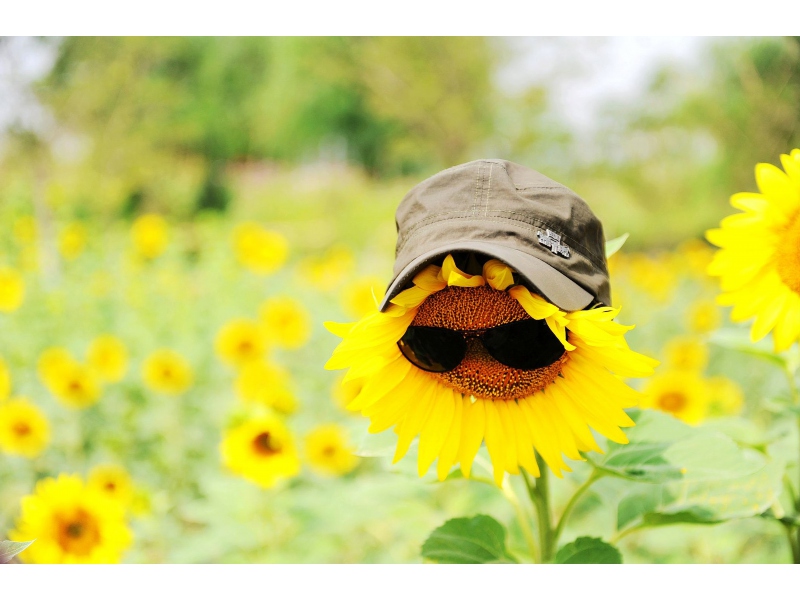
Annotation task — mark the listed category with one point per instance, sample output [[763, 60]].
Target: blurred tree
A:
[[141, 119]]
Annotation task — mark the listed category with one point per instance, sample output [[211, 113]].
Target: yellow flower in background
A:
[[549, 409], [286, 322], [683, 394], [261, 450], [25, 230], [167, 371], [694, 256], [725, 396], [240, 341], [359, 298], [24, 429], [704, 316], [329, 452], [758, 262], [108, 357], [266, 384], [344, 392], [150, 235], [71, 523], [687, 353], [328, 271], [653, 275], [5, 380], [52, 363], [72, 240], [112, 481], [12, 289], [74, 385], [260, 250]]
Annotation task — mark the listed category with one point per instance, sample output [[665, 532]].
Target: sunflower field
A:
[[194, 369]]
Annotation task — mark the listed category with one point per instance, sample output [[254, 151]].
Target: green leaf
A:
[[613, 246], [699, 476], [8, 550], [467, 540], [588, 551], [739, 340]]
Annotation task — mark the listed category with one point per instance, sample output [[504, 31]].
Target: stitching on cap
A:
[[525, 225], [477, 180], [488, 191]]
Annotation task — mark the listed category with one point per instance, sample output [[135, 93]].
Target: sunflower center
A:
[[75, 386], [111, 486], [245, 347], [78, 533], [788, 256], [672, 402], [166, 373], [266, 445], [480, 374], [22, 429]]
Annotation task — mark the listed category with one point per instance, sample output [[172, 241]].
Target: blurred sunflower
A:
[[72, 240], [694, 255], [51, 362], [758, 261], [24, 429], [12, 289], [328, 450], [150, 236], [71, 524], [359, 298], [5, 380], [261, 450], [725, 397], [73, 384], [240, 341], [25, 230], [167, 371], [683, 394], [258, 249], [108, 358], [704, 316], [264, 383], [285, 322], [328, 271], [113, 481], [687, 353], [549, 408]]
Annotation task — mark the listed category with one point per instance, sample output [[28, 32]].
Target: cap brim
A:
[[554, 285]]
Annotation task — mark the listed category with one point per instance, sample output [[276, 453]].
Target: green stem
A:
[[793, 534], [625, 533], [540, 496], [527, 532], [572, 502]]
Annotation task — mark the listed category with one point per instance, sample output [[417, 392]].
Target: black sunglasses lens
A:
[[527, 344], [433, 348]]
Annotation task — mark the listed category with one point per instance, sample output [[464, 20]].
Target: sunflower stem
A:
[[539, 493], [572, 502]]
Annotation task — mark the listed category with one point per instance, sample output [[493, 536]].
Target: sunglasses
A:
[[525, 345]]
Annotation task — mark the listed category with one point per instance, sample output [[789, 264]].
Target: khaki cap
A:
[[538, 227]]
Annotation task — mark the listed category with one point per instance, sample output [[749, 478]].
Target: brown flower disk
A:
[[479, 374]]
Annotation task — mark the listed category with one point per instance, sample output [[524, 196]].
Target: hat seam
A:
[[583, 251]]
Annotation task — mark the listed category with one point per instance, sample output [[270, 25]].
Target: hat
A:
[[538, 227]]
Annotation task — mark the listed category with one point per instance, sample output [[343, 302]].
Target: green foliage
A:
[[588, 551], [695, 475], [8, 550], [615, 245], [472, 540]]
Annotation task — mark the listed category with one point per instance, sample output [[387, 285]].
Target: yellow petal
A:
[[449, 453], [472, 432], [436, 429]]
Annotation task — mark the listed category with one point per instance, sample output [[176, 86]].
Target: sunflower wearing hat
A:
[[497, 327]]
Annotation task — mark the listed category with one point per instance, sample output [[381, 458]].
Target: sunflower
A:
[[113, 481], [108, 357], [73, 384], [240, 341], [703, 316], [12, 289], [71, 524], [258, 249], [549, 409], [24, 429], [328, 450], [286, 322], [262, 450], [72, 240], [264, 383], [683, 394], [759, 257], [168, 372], [5, 380], [150, 236], [687, 353], [725, 397]]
